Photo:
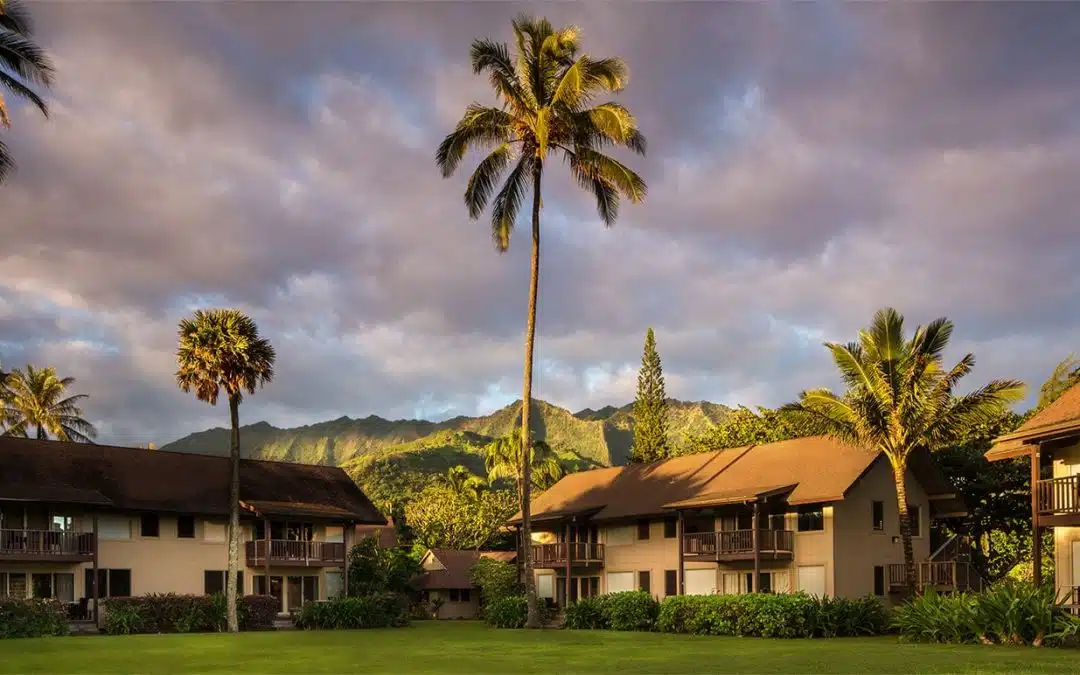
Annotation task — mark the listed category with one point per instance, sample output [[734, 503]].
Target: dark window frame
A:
[[182, 530], [644, 529], [149, 522], [879, 580], [915, 519], [671, 582], [671, 528], [644, 581], [811, 519], [877, 515]]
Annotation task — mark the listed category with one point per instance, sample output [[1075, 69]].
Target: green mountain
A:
[[390, 457]]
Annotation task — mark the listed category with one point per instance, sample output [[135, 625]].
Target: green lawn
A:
[[460, 647]]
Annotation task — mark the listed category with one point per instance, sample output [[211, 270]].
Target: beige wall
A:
[[655, 555], [1066, 553], [456, 610], [858, 548]]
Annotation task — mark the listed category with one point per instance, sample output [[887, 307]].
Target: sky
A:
[[807, 165]]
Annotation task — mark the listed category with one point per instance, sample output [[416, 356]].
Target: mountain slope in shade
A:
[[601, 437]]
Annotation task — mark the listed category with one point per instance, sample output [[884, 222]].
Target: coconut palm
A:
[[463, 481], [35, 400], [546, 92], [23, 64], [221, 349], [900, 400], [503, 460]]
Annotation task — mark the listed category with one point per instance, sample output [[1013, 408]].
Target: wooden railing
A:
[[954, 575], [1058, 495], [548, 555], [295, 552], [738, 542], [46, 543]]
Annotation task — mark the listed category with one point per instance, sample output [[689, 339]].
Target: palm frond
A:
[[507, 204], [25, 58], [481, 126], [484, 178]]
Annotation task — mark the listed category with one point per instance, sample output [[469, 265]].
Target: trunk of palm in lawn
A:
[[533, 617], [910, 583], [234, 516]]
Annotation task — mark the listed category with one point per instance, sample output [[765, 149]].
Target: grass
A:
[[468, 647]]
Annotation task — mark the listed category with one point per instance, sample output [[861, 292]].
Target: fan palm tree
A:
[[503, 460], [900, 400], [35, 400], [546, 92], [221, 349], [22, 64]]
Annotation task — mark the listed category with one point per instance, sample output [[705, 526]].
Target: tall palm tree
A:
[[900, 400], [546, 91], [461, 480], [23, 64], [221, 349], [503, 460], [36, 400]]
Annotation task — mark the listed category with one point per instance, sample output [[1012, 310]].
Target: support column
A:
[[266, 556], [349, 527], [97, 591], [1036, 534], [680, 530], [757, 547], [569, 555]]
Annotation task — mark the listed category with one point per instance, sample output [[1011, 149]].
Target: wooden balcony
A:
[[1059, 497], [555, 555], [945, 576], [733, 545], [286, 553], [46, 546]]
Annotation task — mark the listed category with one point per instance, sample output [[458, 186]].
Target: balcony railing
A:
[[1058, 496], [554, 555], [299, 553], [947, 575], [46, 545], [738, 543]]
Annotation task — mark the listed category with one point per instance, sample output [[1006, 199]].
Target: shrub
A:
[[679, 613], [630, 610], [585, 614], [380, 610], [172, 613], [259, 612], [511, 612], [1013, 612], [374, 569], [34, 617], [496, 580]]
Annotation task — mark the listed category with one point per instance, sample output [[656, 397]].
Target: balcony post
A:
[[1036, 539], [97, 614], [345, 560], [757, 546], [680, 534], [266, 554], [566, 540]]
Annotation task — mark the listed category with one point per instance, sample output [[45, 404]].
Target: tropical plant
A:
[[221, 349], [1065, 375], [900, 400], [495, 579], [503, 461], [35, 400], [745, 427], [375, 569], [650, 408], [442, 517], [461, 479], [23, 64], [546, 92]]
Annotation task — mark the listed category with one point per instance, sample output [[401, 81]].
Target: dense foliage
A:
[[650, 407], [172, 613], [34, 617], [495, 579], [447, 517], [772, 615], [1010, 613], [380, 610], [1064, 376], [511, 612], [376, 570], [629, 610], [746, 427]]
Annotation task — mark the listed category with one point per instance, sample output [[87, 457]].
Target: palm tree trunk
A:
[[41, 435], [900, 476], [533, 617], [234, 516]]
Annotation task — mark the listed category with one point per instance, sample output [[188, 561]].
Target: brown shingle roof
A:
[[154, 480], [819, 468], [1062, 417]]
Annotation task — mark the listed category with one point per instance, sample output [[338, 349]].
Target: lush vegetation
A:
[[650, 407], [35, 617], [374, 570], [171, 613], [36, 401], [512, 611], [630, 610], [495, 579], [24, 66], [1010, 613], [379, 610], [453, 647], [900, 400]]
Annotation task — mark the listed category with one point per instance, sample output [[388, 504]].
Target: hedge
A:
[[34, 617], [172, 613], [380, 610], [512, 612], [629, 610]]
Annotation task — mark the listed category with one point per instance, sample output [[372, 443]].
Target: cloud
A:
[[808, 164]]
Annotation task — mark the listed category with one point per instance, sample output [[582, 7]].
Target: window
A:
[[63, 524], [776, 521], [878, 512], [671, 528], [111, 583], [744, 520], [214, 581], [644, 582], [642, 529], [149, 526], [913, 518], [113, 528], [213, 531], [13, 585], [619, 536], [671, 582], [879, 579], [811, 579], [456, 594], [185, 527], [764, 582], [811, 518], [618, 582], [335, 584]]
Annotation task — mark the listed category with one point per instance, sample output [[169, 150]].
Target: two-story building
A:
[[810, 515], [1051, 441], [144, 521]]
